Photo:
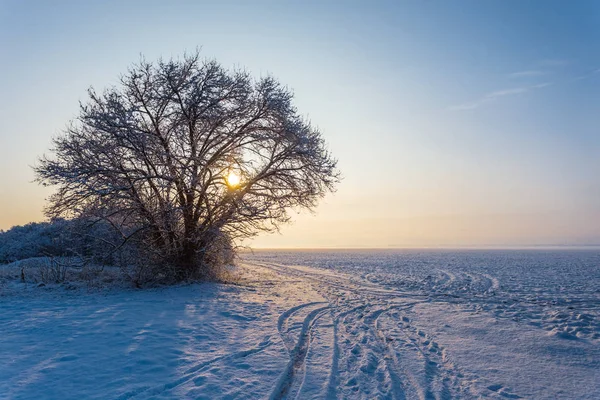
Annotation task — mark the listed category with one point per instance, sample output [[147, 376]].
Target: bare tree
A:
[[186, 154]]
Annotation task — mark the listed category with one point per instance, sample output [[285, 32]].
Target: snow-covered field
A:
[[329, 324]]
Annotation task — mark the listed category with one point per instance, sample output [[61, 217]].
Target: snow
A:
[[188, 341], [319, 325]]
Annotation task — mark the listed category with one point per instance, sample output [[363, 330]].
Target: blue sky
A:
[[455, 123]]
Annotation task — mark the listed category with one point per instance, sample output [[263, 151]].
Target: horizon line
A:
[[465, 247]]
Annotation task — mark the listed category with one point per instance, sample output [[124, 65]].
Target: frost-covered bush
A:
[[58, 238], [31, 240], [85, 246]]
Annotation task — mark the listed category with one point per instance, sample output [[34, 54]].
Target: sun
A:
[[233, 179]]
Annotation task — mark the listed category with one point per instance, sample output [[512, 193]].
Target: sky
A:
[[463, 123]]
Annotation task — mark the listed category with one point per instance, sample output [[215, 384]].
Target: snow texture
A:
[[319, 325]]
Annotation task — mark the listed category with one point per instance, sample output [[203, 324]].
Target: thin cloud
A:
[[589, 74], [506, 92], [497, 94], [526, 74], [542, 67]]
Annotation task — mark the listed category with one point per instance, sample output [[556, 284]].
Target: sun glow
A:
[[233, 179]]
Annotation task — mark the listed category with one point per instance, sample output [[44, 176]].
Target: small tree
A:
[[186, 156]]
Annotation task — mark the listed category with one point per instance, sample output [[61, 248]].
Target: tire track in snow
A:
[[283, 323], [341, 282], [290, 380], [344, 310], [377, 354]]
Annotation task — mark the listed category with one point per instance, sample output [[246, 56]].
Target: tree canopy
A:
[[185, 154]]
